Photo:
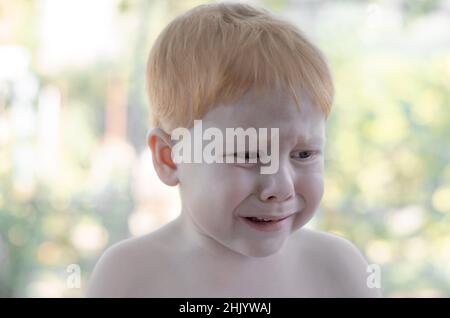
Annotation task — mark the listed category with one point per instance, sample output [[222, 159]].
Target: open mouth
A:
[[265, 220], [266, 224], [262, 220]]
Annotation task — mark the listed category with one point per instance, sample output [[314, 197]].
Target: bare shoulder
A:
[[342, 263], [127, 266]]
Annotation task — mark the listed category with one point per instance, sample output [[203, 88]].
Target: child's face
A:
[[217, 197]]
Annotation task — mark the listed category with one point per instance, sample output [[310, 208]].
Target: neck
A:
[[200, 244]]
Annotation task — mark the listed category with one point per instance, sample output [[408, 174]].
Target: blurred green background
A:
[[76, 177]]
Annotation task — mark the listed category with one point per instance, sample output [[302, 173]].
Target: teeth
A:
[[260, 219]]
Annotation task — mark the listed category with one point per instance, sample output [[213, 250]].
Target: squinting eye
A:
[[306, 154], [247, 156]]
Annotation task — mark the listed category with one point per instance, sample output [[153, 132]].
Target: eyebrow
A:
[[308, 139]]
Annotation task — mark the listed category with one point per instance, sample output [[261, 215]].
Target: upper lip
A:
[[268, 217]]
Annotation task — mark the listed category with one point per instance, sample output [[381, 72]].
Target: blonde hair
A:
[[214, 53]]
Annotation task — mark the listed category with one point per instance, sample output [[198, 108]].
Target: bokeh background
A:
[[76, 176]]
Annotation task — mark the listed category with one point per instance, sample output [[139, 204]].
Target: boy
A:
[[240, 232]]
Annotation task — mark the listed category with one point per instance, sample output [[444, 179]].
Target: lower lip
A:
[[267, 226]]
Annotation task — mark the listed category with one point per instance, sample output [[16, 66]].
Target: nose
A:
[[277, 187]]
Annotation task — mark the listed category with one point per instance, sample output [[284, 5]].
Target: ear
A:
[[160, 144]]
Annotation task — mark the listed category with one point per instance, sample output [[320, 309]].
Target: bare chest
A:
[[202, 278]]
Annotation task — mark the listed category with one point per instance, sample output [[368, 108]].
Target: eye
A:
[[247, 156], [304, 154]]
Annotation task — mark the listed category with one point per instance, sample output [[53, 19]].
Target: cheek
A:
[[236, 184], [215, 191], [310, 188], [312, 185]]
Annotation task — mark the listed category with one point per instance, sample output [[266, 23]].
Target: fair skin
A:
[[210, 251]]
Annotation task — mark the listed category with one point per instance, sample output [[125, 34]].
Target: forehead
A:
[[275, 109]]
